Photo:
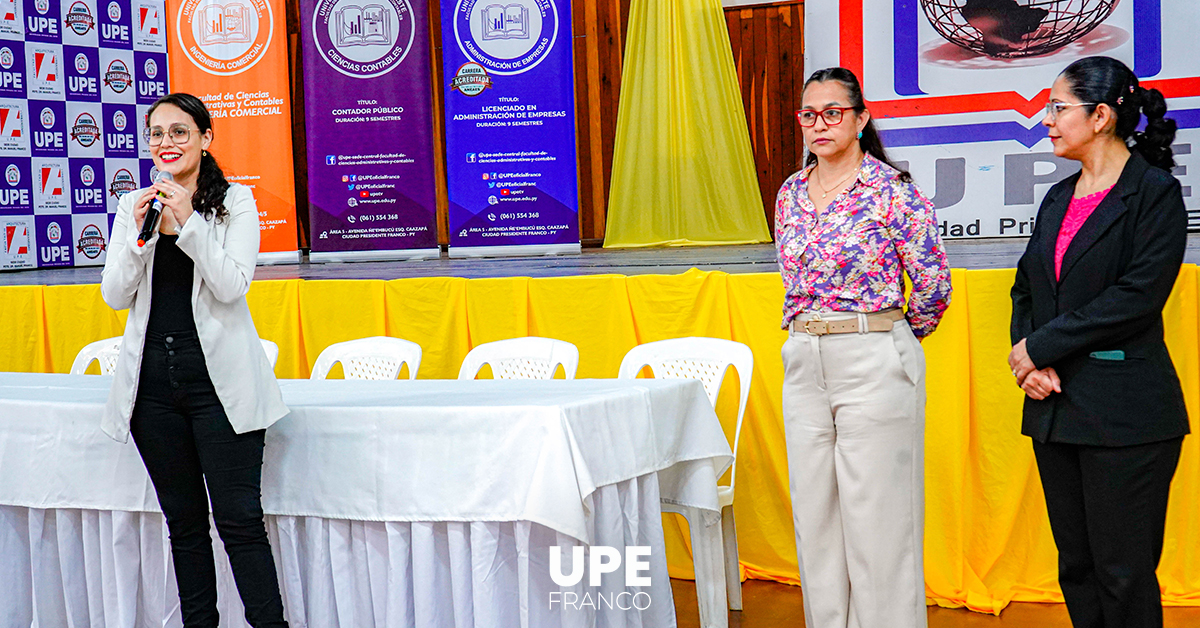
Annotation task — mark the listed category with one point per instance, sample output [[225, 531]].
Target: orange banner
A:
[[233, 56]]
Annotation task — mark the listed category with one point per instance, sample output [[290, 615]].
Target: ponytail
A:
[[1155, 142], [211, 187], [1107, 80]]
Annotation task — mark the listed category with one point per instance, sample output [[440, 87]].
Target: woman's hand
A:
[[1019, 363], [176, 200], [1040, 384], [141, 207]]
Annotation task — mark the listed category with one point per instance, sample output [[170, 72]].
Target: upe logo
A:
[[363, 40], [6, 58], [47, 118], [12, 174], [506, 38], [122, 183], [118, 77], [42, 6], [114, 11], [151, 68], [601, 560], [91, 242], [119, 121], [87, 175], [224, 37], [81, 63], [85, 130], [53, 232], [471, 79], [79, 18]]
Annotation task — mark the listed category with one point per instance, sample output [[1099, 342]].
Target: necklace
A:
[[825, 192]]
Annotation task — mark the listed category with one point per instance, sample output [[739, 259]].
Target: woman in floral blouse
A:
[[848, 226]]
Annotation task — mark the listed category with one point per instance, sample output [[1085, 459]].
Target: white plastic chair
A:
[[377, 357], [272, 351], [522, 358], [705, 359], [103, 351]]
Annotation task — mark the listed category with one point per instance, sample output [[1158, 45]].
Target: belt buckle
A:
[[821, 329]]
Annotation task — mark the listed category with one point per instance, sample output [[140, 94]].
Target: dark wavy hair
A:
[[211, 185], [1108, 81], [869, 142]]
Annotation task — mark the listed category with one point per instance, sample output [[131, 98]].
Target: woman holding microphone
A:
[[192, 383], [849, 226], [1103, 402]]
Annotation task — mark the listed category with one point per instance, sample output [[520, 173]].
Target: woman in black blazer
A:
[[1103, 402]]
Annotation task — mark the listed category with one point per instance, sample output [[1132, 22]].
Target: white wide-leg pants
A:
[[854, 417]]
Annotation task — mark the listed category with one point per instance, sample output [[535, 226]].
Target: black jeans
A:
[[186, 441], [1108, 512]]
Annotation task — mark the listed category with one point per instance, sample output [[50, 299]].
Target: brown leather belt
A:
[[813, 325]]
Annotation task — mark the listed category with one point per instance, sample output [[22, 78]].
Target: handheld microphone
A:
[[150, 222]]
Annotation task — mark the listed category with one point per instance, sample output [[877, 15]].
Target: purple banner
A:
[[369, 127], [510, 124]]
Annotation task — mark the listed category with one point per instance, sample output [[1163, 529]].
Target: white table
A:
[[422, 503]]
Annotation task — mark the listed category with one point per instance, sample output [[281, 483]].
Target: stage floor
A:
[[969, 254]]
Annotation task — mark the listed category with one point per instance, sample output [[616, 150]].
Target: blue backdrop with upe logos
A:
[[76, 80], [510, 126]]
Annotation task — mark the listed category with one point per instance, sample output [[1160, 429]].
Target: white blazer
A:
[[225, 254]]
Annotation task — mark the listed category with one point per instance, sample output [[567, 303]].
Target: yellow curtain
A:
[[987, 538], [683, 170]]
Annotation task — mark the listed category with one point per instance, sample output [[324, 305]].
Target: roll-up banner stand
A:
[[232, 54], [510, 127], [368, 109]]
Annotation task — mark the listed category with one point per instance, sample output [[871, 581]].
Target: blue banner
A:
[[510, 125]]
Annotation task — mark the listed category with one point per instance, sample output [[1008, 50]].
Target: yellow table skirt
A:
[[987, 539]]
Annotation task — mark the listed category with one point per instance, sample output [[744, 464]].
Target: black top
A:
[[171, 289], [1116, 276]]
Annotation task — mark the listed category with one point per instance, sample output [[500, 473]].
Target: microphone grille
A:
[[163, 176]]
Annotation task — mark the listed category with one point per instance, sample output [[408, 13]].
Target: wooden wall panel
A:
[[768, 47], [768, 51]]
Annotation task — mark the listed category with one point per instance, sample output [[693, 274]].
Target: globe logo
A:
[[1009, 29]]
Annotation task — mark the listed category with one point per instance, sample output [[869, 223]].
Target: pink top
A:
[[1077, 214]]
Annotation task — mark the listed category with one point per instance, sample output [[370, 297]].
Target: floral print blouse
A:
[[850, 258]]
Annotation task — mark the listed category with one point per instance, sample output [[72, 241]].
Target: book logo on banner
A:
[[507, 38], [363, 40], [79, 19], [224, 38]]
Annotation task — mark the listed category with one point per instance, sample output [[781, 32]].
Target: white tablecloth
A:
[[427, 503]]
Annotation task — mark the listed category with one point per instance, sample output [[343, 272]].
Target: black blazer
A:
[[1116, 276]]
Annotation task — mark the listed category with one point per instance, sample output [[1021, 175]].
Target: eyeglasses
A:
[[832, 115], [1055, 109], [179, 133]]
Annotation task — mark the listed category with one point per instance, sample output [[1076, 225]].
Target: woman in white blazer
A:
[[192, 383]]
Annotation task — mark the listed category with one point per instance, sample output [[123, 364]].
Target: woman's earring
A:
[[860, 135], [204, 153]]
